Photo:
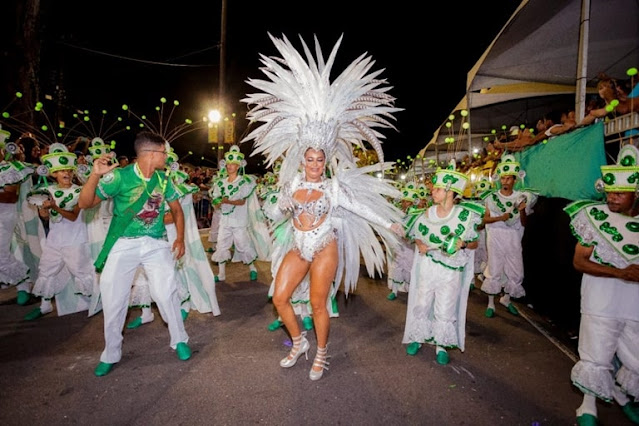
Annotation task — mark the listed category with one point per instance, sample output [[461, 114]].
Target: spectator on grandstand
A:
[[549, 125], [464, 165], [628, 89], [627, 92], [513, 133], [613, 103], [480, 159], [493, 155]]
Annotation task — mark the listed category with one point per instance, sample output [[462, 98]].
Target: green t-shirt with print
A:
[[126, 186]]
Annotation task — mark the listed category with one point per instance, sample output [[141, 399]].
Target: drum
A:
[[450, 245], [37, 197]]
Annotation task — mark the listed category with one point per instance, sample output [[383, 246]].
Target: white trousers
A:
[[115, 286], [600, 339], [77, 260], [12, 271], [432, 306], [505, 263], [237, 237]]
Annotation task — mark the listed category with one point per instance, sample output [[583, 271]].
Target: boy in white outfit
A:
[[444, 234], [236, 197], [507, 211], [67, 243]]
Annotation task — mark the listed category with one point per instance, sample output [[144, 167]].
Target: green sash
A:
[[119, 224]]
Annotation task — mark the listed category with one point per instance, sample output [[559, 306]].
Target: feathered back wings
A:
[[300, 108]]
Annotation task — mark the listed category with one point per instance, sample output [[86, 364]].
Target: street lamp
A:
[[221, 79], [215, 116]]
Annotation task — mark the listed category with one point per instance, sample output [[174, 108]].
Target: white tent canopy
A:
[[541, 43], [549, 50]]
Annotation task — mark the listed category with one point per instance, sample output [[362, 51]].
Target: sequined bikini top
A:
[[316, 208]]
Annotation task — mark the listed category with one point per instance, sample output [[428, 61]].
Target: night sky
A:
[[135, 52]]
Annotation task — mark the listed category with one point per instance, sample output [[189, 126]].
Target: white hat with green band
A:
[[450, 179], [623, 176]]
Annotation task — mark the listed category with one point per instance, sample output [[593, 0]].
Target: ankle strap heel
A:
[[319, 362], [300, 346]]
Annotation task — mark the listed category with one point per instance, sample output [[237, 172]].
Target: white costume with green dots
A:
[[13, 271], [609, 306], [236, 228], [436, 308], [66, 247], [505, 268]]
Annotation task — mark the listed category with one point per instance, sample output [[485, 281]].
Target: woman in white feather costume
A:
[[323, 224]]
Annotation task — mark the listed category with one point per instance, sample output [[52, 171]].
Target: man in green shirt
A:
[[137, 237]]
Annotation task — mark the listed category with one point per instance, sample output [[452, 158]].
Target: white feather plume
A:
[[299, 108]]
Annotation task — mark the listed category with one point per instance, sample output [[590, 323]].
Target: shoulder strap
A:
[[119, 224]]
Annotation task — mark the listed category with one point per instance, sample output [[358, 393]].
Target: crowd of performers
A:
[[126, 237]]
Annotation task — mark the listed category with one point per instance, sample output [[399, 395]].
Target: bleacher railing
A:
[[616, 128], [203, 210]]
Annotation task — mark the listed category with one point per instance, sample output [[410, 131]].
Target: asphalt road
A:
[[515, 369]]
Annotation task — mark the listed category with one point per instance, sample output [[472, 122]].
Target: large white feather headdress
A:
[[300, 108]]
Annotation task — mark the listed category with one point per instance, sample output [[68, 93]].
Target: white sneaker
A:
[[146, 319], [46, 309]]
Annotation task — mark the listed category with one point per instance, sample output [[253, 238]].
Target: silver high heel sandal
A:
[[300, 346], [319, 362]]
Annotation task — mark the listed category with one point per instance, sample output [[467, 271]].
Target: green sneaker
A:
[[103, 369], [253, 275], [587, 420], [490, 312], [183, 351], [308, 323], [275, 325], [217, 279], [413, 348], [135, 323], [209, 250], [184, 313], [34, 314], [442, 358], [631, 410], [23, 297], [334, 304], [511, 308], [391, 296]]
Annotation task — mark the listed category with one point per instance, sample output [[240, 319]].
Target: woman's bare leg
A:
[[289, 275], [323, 270]]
